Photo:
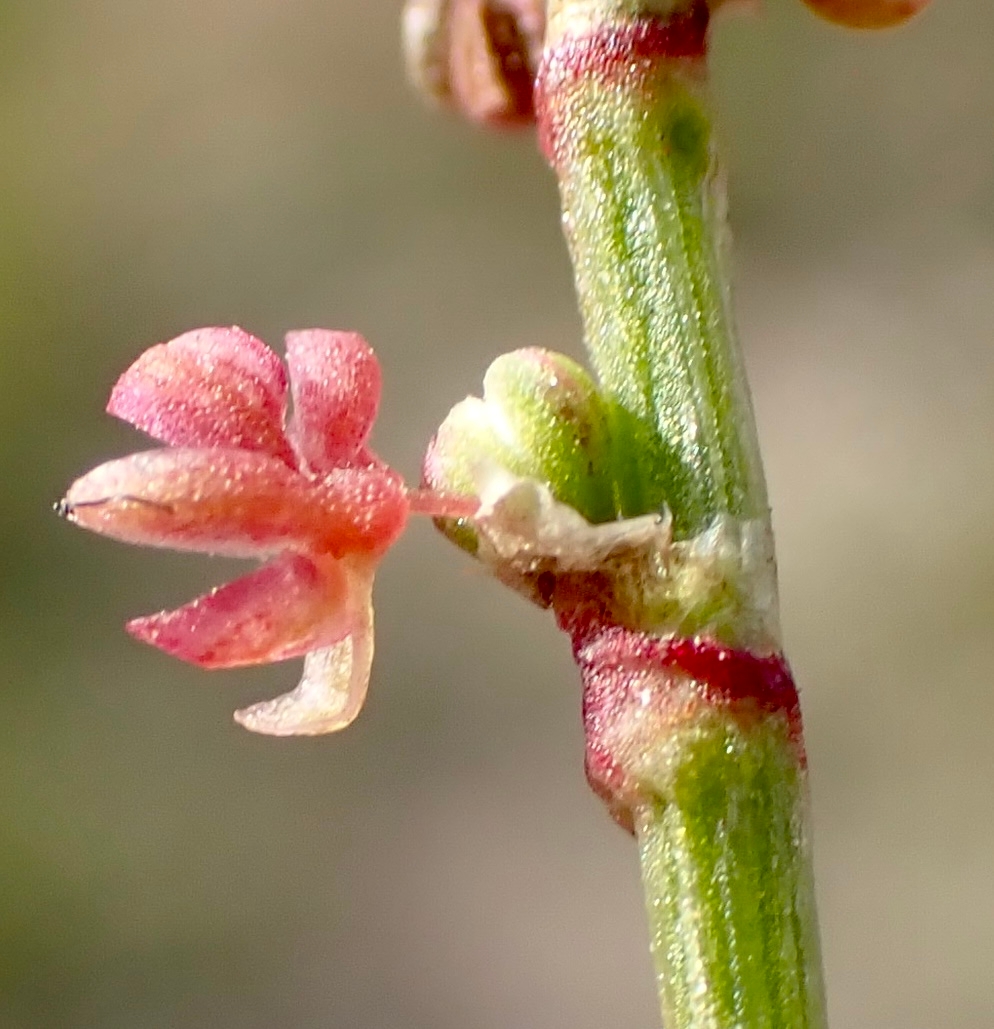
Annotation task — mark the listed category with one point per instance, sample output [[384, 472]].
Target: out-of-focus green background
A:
[[441, 864]]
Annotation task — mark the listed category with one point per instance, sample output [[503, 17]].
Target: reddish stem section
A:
[[627, 52], [638, 688]]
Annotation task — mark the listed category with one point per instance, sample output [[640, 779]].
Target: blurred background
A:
[[441, 864]]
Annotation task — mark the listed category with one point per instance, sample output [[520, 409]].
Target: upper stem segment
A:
[[623, 121]]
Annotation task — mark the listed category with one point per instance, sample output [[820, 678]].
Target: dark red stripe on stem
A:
[[728, 676], [647, 683]]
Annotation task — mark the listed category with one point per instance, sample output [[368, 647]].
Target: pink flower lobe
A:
[[239, 624], [207, 388], [335, 381]]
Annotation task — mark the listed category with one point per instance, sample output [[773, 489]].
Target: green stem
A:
[[719, 799], [643, 208], [727, 873]]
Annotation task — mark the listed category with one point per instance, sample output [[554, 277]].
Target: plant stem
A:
[[694, 743], [629, 134], [728, 881], [698, 748]]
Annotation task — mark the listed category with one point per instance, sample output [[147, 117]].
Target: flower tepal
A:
[[307, 496]]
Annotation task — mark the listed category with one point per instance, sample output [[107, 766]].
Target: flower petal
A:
[[283, 610], [335, 380], [238, 503], [207, 388], [332, 691], [231, 502]]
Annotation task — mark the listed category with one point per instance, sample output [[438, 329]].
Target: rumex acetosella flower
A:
[[307, 496]]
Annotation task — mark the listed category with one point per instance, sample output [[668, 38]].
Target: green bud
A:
[[541, 417]]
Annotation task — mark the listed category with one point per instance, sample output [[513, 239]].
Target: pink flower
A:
[[308, 497]]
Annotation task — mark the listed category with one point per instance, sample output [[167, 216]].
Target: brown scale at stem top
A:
[[493, 63], [477, 56]]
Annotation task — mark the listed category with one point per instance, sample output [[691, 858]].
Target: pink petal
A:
[[238, 503], [335, 380], [220, 501], [207, 388], [283, 610], [333, 688]]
